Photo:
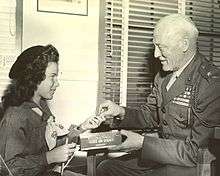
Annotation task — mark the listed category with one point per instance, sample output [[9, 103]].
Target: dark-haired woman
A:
[[28, 132]]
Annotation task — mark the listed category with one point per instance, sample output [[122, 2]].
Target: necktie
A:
[[171, 81]]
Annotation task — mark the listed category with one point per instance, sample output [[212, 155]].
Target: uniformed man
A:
[[184, 105]]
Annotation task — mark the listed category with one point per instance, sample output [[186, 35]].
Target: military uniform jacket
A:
[[186, 114], [22, 139]]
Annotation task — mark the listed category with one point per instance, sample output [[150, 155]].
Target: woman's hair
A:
[[27, 73]]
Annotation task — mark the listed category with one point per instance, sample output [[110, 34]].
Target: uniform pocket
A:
[[180, 114]]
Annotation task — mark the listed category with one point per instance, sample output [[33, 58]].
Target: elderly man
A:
[[184, 105]]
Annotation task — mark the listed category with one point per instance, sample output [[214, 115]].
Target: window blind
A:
[[113, 47], [143, 16], [206, 15], [128, 57], [128, 48], [8, 40]]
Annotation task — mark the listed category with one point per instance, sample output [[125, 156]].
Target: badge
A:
[[184, 99]]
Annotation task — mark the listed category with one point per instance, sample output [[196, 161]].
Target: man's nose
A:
[[57, 83], [157, 52]]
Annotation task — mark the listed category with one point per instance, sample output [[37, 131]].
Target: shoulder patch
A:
[[209, 71], [38, 111]]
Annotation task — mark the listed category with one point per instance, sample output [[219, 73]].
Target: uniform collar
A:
[[43, 110], [179, 85], [178, 72]]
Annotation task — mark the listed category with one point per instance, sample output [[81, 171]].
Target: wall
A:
[[76, 38]]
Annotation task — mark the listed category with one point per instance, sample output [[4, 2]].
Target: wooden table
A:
[[92, 160]]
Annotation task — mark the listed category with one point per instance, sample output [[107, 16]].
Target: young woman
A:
[[28, 132]]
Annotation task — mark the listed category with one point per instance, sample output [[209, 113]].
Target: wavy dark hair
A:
[[27, 73]]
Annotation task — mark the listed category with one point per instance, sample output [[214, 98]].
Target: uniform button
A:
[[181, 115], [163, 109], [165, 122], [209, 73], [166, 136]]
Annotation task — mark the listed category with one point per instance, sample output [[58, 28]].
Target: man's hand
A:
[[109, 109], [134, 141], [92, 122]]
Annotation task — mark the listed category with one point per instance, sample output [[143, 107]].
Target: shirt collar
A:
[[42, 111], [178, 72]]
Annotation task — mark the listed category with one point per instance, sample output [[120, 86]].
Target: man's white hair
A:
[[179, 23]]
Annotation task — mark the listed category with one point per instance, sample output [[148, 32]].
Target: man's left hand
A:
[[133, 141]]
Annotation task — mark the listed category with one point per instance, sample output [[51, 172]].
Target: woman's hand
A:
[[60, 154]]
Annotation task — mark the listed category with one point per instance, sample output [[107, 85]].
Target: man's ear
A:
[[185, 44]]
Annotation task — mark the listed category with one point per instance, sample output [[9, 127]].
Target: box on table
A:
[[101, 140]]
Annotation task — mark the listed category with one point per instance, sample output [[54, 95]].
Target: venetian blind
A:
[[129, 25], [142, 18], [128, 48], [112, 50], [206, 15], [8, 40]]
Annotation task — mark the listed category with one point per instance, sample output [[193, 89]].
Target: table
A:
[[92, 160]]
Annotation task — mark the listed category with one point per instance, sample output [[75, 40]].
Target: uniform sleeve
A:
[[74, 133], [139, 118], [73, 136], [146, 116], [206, 113], [20, 163]]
